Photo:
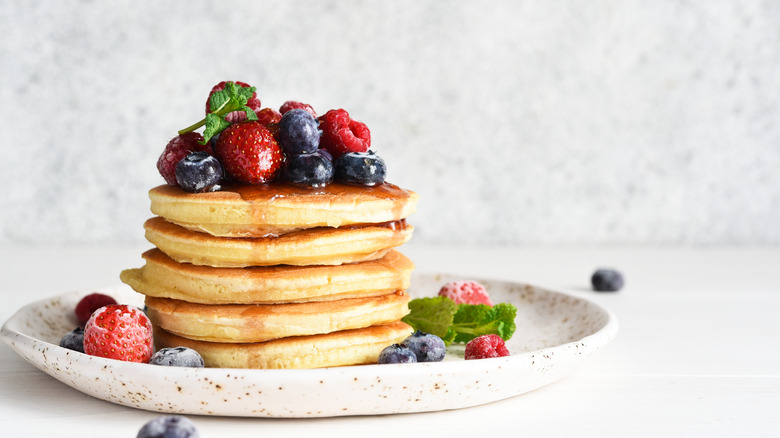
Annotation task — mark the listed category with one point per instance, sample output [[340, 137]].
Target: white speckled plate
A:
[[555, 333]]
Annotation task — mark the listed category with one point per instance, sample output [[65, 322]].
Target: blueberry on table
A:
[[397, 354], [199, 172], [74, 340], [314, 170], [171, 426], [425, 346], [362, 168], [177, 357], [607, 280]]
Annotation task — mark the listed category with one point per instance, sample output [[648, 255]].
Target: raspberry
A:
[[486, 346], [341, 134], [176, 149], [465, 292], [266, 116], [292, 104], [253, 102], [249, 153], [119, 332], [89, 304]]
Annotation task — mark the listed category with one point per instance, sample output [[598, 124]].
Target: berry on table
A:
[[299, 132], [171, 426], [176, 149], [313, 170], [425, 346], [292, 104], [74, 340], [341, 134], [119, 331], [178, 357], [466, 292], [607, 280], [87, 305], [397, 354], [362, 168], [486, 346], [249, 153], [199, 172]]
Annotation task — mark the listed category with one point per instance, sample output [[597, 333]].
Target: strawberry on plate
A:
[[249, 152], [121, 332]]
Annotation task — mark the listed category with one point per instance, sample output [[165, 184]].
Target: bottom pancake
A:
[[348, 347], [241, 323]]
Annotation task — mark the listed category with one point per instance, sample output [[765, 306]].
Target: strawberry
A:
[[121, 332], [341, 134], [176, 149], [87, 305], [249, 152], [253, 102]]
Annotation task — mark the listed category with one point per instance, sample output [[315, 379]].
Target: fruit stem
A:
[[192, 127]]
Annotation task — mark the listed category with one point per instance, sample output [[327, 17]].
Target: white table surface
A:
[[697, 353]]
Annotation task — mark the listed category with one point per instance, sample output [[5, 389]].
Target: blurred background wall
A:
[[519, 122]]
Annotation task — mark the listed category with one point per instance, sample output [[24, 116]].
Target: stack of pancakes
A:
[[278, 276]]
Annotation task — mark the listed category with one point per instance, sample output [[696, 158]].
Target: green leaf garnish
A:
[[460, 323], [232, 98]]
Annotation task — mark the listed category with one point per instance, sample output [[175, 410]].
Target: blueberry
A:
[[199, 172], [397, 354], [363, 168], [74, 340], [314, 170], [427, 347], [299, 132], [178, 357], [607, 280], [171, 426]]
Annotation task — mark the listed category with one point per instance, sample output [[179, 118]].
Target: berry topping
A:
[[299, 132], [120, 332], [467, 292], [266, 116], [397, 354], [199, 172], [89, 304], [175, 150], [178, 357], [291, 105], [313, 170], [252, 102], [426, 347], [362, 168], [171, 426], [486, 346], [249, 153], [607, 280], [341, 134], [74, 340]]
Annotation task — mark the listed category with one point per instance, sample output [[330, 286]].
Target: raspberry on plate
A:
[[176, 149], [121, 332], [341, 134], [486, 346], [466, 292], [89, 304], [249, 152]]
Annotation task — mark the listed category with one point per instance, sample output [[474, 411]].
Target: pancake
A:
[[164, 277], [275, 209], [316, 246], [242, 323], [347, 347]]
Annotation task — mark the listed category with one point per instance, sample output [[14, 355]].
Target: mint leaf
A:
[[214, 125], [250, 115], [232, 98], [431, 315], [471, 321], [218, 100], [460, 323]]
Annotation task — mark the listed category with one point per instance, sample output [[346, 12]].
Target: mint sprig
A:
[[460, 323], [223, 102]]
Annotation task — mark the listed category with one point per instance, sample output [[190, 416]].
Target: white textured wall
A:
[[526, 122]]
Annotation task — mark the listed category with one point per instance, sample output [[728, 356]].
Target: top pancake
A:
[[275, 209]]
